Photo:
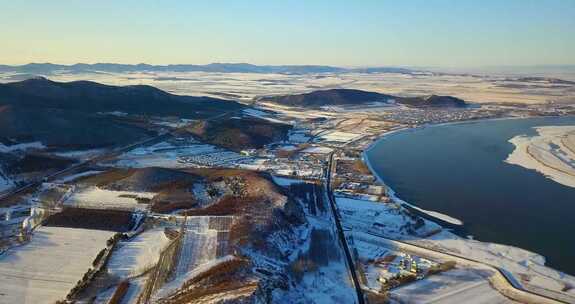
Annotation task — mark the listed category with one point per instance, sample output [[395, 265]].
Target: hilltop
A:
[[240, 133], [433, 101], [71, 111], [328, 97], [356, 97], [92, 97]]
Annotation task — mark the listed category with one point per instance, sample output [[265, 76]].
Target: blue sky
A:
[[464, 33]]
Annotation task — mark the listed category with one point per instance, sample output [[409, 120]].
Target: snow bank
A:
[[444, 217], [549, 152]]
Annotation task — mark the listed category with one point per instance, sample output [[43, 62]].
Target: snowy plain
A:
[[97, 198], [46, 269]]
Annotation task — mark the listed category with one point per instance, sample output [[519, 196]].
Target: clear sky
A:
[[346, 33]]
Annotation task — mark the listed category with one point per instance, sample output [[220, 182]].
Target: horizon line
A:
[[300, 64]]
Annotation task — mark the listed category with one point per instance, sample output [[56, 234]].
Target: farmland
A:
[[237, 207], [44, 270]]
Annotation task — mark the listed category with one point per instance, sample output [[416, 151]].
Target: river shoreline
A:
[[429, 214], [449, 223]]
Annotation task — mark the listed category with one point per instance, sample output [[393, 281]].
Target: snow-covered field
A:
[[387, 219], [318, 150], [202, 247], [451, 287], [551, 152], [169, 155], [286, 168], [174, 285], [199, 247], [96, 198], [245, 86], [338, 136], [133, 257], [526, 268], [328, 281], [44, 270]]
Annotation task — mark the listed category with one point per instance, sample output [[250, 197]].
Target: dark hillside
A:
[[67, 114], [335, 97], [433, 101], [151, 179], [240, 133], [328, 97], [65, 129], [92, 97]]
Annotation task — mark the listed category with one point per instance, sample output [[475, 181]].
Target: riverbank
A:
[[391, 193], [384, 136], [519, 263]]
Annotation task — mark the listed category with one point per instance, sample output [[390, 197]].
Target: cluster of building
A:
[[415, 116], [394, 270], [212, 159]]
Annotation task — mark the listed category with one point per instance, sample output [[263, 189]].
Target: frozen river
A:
[[460, 170]]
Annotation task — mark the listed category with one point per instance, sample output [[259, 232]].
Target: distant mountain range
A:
[[67, 113], [49, 68], [356, 97]]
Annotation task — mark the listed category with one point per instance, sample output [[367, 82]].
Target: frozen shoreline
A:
[[546, 153], [386, 135], [513, 260], [434, 214]]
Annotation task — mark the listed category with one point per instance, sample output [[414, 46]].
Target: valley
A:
[[250, 200]]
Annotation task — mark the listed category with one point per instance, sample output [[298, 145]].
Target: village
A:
[[371, 216]]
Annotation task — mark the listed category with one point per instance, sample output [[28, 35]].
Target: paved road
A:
[[341, 234]]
